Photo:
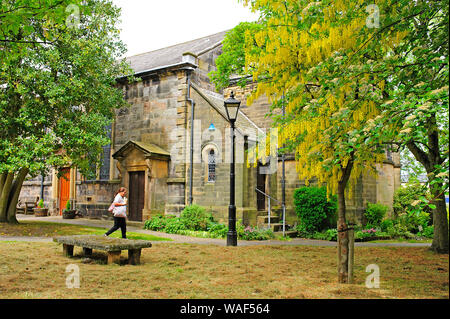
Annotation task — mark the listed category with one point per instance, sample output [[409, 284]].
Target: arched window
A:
[[211, 166]]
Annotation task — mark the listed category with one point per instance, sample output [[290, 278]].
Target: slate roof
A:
[[173, 54]]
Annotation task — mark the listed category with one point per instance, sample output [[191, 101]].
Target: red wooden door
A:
[[64, 187]]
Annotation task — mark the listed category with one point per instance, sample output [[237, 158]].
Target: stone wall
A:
[[94, 198], [158, 116], [213, 195], [206, 63], [31, 190]]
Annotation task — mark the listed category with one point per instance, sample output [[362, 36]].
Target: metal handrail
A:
[[267, 195], [268, 204]]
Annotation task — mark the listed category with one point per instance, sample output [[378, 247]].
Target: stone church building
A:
[[150, 150]]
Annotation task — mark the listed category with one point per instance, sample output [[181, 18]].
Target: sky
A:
[[149, 25]]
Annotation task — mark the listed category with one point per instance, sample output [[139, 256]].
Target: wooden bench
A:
[[113, 246], [25, 206]]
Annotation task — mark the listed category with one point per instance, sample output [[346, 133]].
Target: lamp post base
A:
[[232, 238]]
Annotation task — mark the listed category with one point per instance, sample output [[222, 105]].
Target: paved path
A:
[[137, 227]]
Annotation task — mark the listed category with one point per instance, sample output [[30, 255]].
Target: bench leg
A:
[[87, 251], [134, 256], [114, 257], [68, 250]]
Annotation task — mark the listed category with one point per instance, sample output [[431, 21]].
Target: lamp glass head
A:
[[232, 107]]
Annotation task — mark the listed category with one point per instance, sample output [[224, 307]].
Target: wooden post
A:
[[134, 256], [114, 257], [87, 251], [68, 250]]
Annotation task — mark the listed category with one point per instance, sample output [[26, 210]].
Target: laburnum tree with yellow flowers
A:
[[322, 61]]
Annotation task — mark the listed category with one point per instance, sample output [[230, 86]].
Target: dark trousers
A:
[[119, 222]]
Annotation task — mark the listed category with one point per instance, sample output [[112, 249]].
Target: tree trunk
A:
[[2, 181], [4, 196], [440, 222], [429, 161], [343, 249], [14, 196]]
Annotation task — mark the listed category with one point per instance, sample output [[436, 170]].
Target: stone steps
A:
[[287, 233], [262, 220], [277, 227]]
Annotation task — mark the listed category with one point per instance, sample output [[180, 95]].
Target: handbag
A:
[[111, 208]]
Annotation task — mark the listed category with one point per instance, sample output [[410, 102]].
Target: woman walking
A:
[[120, 213]]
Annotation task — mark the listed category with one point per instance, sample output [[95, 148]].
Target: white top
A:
[[119, 211]]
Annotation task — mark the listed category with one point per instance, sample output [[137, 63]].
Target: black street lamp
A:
[[232, 108]]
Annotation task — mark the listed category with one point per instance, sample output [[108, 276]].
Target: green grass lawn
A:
[[190, 271], [402, 240], [48, 229]]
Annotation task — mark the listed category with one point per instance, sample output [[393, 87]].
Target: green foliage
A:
[[329, 234], [217, 230], [255, 233], [349, 87], [41, 204], [232, 61], [177, 225], [414, 222], [58, 83], [375, 213], [427, 232], [68, 205], [399, 230], [315, 211], [372, 233], [406, 197], [174, 225], [386, 224], [195, 217], [156, 223]]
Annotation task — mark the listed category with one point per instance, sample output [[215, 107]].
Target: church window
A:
[[211, 166]]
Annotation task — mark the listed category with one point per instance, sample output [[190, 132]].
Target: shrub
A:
[[413, 222], [302, 232], [427, 232], [330, 234], [375, 213], [365, 233], [404, 196], [174, 225], [41, 204], [315, 211], [68, 205], [156, 223], [217, 230], [385, 224], [399, 231], [255, 233], [195, 217]]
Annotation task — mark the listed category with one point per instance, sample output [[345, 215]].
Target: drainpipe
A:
[[191, 59], [42, 185], [191, 168]]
